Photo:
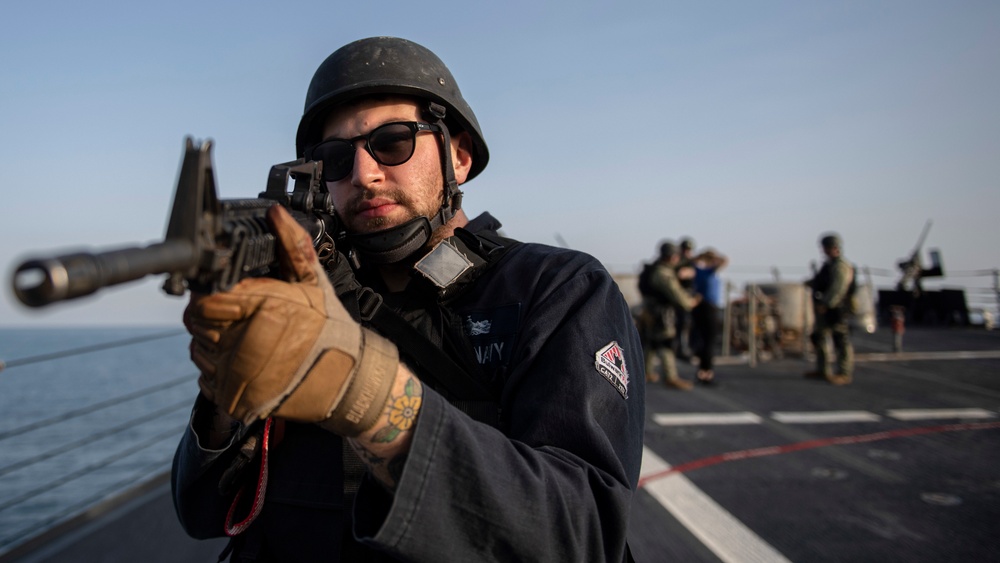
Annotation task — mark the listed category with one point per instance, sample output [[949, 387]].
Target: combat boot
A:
[[706, 377], [678, 383], [839, 380]]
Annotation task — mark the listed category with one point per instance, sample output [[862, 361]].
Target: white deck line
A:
[[935, 414], [706, 418], [728, 538], [824, 417], [906, 356]]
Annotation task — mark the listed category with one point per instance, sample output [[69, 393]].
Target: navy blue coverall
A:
[[553, 482]]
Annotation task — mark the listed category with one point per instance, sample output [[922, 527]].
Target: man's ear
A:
[[461, 155]]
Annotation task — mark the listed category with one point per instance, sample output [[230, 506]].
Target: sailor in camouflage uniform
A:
[[832, 296], [662, 299]]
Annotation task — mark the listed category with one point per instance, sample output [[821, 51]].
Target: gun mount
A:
[[944, 306], [912, 268]]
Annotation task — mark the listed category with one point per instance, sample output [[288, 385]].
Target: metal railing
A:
[[55, 467]]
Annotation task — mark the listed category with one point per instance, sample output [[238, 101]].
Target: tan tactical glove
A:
[[289, 348]]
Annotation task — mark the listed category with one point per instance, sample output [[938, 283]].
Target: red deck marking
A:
[[818, 443]]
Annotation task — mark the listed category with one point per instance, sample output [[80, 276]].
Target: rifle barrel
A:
[[42, 281]]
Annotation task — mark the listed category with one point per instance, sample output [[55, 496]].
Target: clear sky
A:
[[751, 126]]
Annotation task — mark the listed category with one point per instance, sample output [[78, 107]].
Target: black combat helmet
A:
[[830, 240], [393, 66], [668, 250], [386, 65]]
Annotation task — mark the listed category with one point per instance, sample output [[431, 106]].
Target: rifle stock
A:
[[210, 244]]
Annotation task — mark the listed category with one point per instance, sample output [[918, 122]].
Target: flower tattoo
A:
[[404, 410], [402, 413]]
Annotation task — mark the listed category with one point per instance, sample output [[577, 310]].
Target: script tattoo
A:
[[369, 457]]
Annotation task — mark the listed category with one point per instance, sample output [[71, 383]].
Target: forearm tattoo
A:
[[381, 454], [401, 412]]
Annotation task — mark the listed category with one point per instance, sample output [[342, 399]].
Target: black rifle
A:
[[210, 244]]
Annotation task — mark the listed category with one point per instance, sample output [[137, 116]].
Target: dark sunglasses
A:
[[391, 144]]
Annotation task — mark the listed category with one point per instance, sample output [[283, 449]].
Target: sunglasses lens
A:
[[392, 144], [337, 157]]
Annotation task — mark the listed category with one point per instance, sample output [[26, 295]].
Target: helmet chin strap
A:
[[395, 244]]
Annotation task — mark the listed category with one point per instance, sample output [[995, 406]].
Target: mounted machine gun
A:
[[912, 269]]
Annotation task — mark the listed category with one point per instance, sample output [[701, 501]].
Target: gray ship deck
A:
[[768, 466]]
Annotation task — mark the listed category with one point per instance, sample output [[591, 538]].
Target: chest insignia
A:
[[477, 328], [492, 333]]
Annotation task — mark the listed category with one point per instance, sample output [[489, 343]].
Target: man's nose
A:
[[366, 168]]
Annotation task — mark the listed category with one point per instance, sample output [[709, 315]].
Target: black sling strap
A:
[[432, 362]]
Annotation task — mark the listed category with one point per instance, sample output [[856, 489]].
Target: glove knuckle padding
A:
[[292, 350]]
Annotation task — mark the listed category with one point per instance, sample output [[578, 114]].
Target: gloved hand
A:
[[288, 348]]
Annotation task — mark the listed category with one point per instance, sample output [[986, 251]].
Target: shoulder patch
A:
[[610, 362]]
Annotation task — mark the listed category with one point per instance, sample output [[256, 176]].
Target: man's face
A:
[[373, 196]]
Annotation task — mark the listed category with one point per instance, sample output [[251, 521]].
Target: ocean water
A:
[[85, 413]]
